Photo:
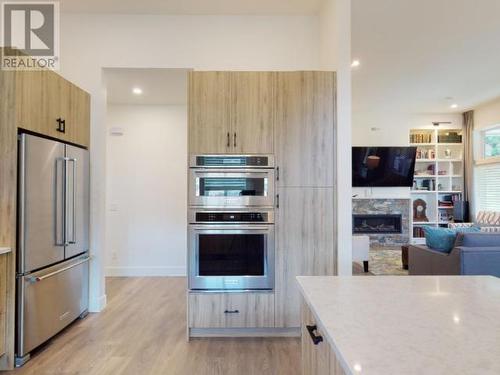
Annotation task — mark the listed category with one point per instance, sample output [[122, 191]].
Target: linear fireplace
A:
[[376, 224]]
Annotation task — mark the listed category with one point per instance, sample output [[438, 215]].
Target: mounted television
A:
[[383, 166]]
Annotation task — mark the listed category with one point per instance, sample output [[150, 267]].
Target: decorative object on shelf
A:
[[447, 153], [431, 169], [419, 210], [450, 137], [432, 154]]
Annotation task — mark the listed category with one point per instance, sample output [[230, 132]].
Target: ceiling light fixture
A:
[[355, 63], [137, 90], [453, 106]]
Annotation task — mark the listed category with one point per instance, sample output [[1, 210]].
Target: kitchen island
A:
[[400, 325]]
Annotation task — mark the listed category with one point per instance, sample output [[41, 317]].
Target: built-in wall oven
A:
[[231, 181], [231, 249]]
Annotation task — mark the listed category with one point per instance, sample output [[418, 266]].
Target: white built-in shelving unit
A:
[[438, 175]]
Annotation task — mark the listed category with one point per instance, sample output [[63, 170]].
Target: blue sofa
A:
[[473, 254]]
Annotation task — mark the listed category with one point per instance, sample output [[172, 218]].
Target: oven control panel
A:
[[229, 217]]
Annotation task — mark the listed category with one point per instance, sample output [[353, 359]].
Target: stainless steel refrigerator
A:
[[53, 240]]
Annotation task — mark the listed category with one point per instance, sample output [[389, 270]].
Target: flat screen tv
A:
[[383, 166]]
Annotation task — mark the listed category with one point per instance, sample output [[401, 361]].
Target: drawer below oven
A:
[[231, 310]]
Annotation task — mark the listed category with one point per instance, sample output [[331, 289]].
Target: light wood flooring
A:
[[142, 331]]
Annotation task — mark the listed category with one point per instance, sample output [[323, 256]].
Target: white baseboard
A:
[[99, 304], [145, 271]]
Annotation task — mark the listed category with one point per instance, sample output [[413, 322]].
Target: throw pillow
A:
[[440, 239]]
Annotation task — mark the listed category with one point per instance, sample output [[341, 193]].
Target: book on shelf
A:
[[421, 138]]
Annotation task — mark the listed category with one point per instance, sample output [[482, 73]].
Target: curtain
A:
[[468, 157]]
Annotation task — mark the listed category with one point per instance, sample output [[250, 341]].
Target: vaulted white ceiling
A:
[[193, 7], [415, 54]]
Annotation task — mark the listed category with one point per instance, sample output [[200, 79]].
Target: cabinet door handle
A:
[[316, 339], [277, 201], [228, 140], [61, 125], [234, 140], [277, 173], [231, 311]]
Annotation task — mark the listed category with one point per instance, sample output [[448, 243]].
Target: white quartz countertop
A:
[[405, 325], [4, 250]]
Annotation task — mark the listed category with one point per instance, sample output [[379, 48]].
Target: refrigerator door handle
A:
[[59, 228], [41, 278], [73, 234]]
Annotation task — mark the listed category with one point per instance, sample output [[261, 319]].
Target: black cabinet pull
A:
[[277, 201], [228, 139], [277, 173], [316, 339], [61, 125], [231, 311], [234, 139]]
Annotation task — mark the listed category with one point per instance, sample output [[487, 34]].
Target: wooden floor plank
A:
[[143, 332]]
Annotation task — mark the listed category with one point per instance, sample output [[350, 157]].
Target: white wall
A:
[[487, 115], [91, 42], [335, 54], [146, 191], [392, 129]]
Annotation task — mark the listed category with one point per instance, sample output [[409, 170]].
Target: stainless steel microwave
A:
[[236, 181]]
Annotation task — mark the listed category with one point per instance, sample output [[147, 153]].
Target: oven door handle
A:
[[226, 227], [242, 172]]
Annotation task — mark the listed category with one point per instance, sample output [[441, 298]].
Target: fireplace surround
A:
[[389, 209]]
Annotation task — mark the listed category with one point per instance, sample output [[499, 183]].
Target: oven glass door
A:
[[236, 189], [228, 257]]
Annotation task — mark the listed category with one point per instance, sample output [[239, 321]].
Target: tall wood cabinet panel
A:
[[3, 301], [252, 112], [8, 192], [304, 128], [305, 245], [209, 112]]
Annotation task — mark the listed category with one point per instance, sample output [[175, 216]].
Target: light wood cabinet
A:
[[252, 112], [305, 128], [3, 302], [231, 112], [209, 112], [43, 97], [317, 358], [305, 245], [231, 310]]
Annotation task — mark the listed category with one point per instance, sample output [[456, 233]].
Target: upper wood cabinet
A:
[[304, 128], [209, 112], [305, 245], [252, 112], [231, 112], [43, 100]]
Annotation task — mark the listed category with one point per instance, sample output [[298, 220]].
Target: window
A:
[[488, 187], [491, 143]]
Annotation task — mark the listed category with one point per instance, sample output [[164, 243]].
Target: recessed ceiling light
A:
[[454, 106], [137, 90], [355, 63]]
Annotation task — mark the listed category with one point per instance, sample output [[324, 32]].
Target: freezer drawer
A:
[[50, 300]]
